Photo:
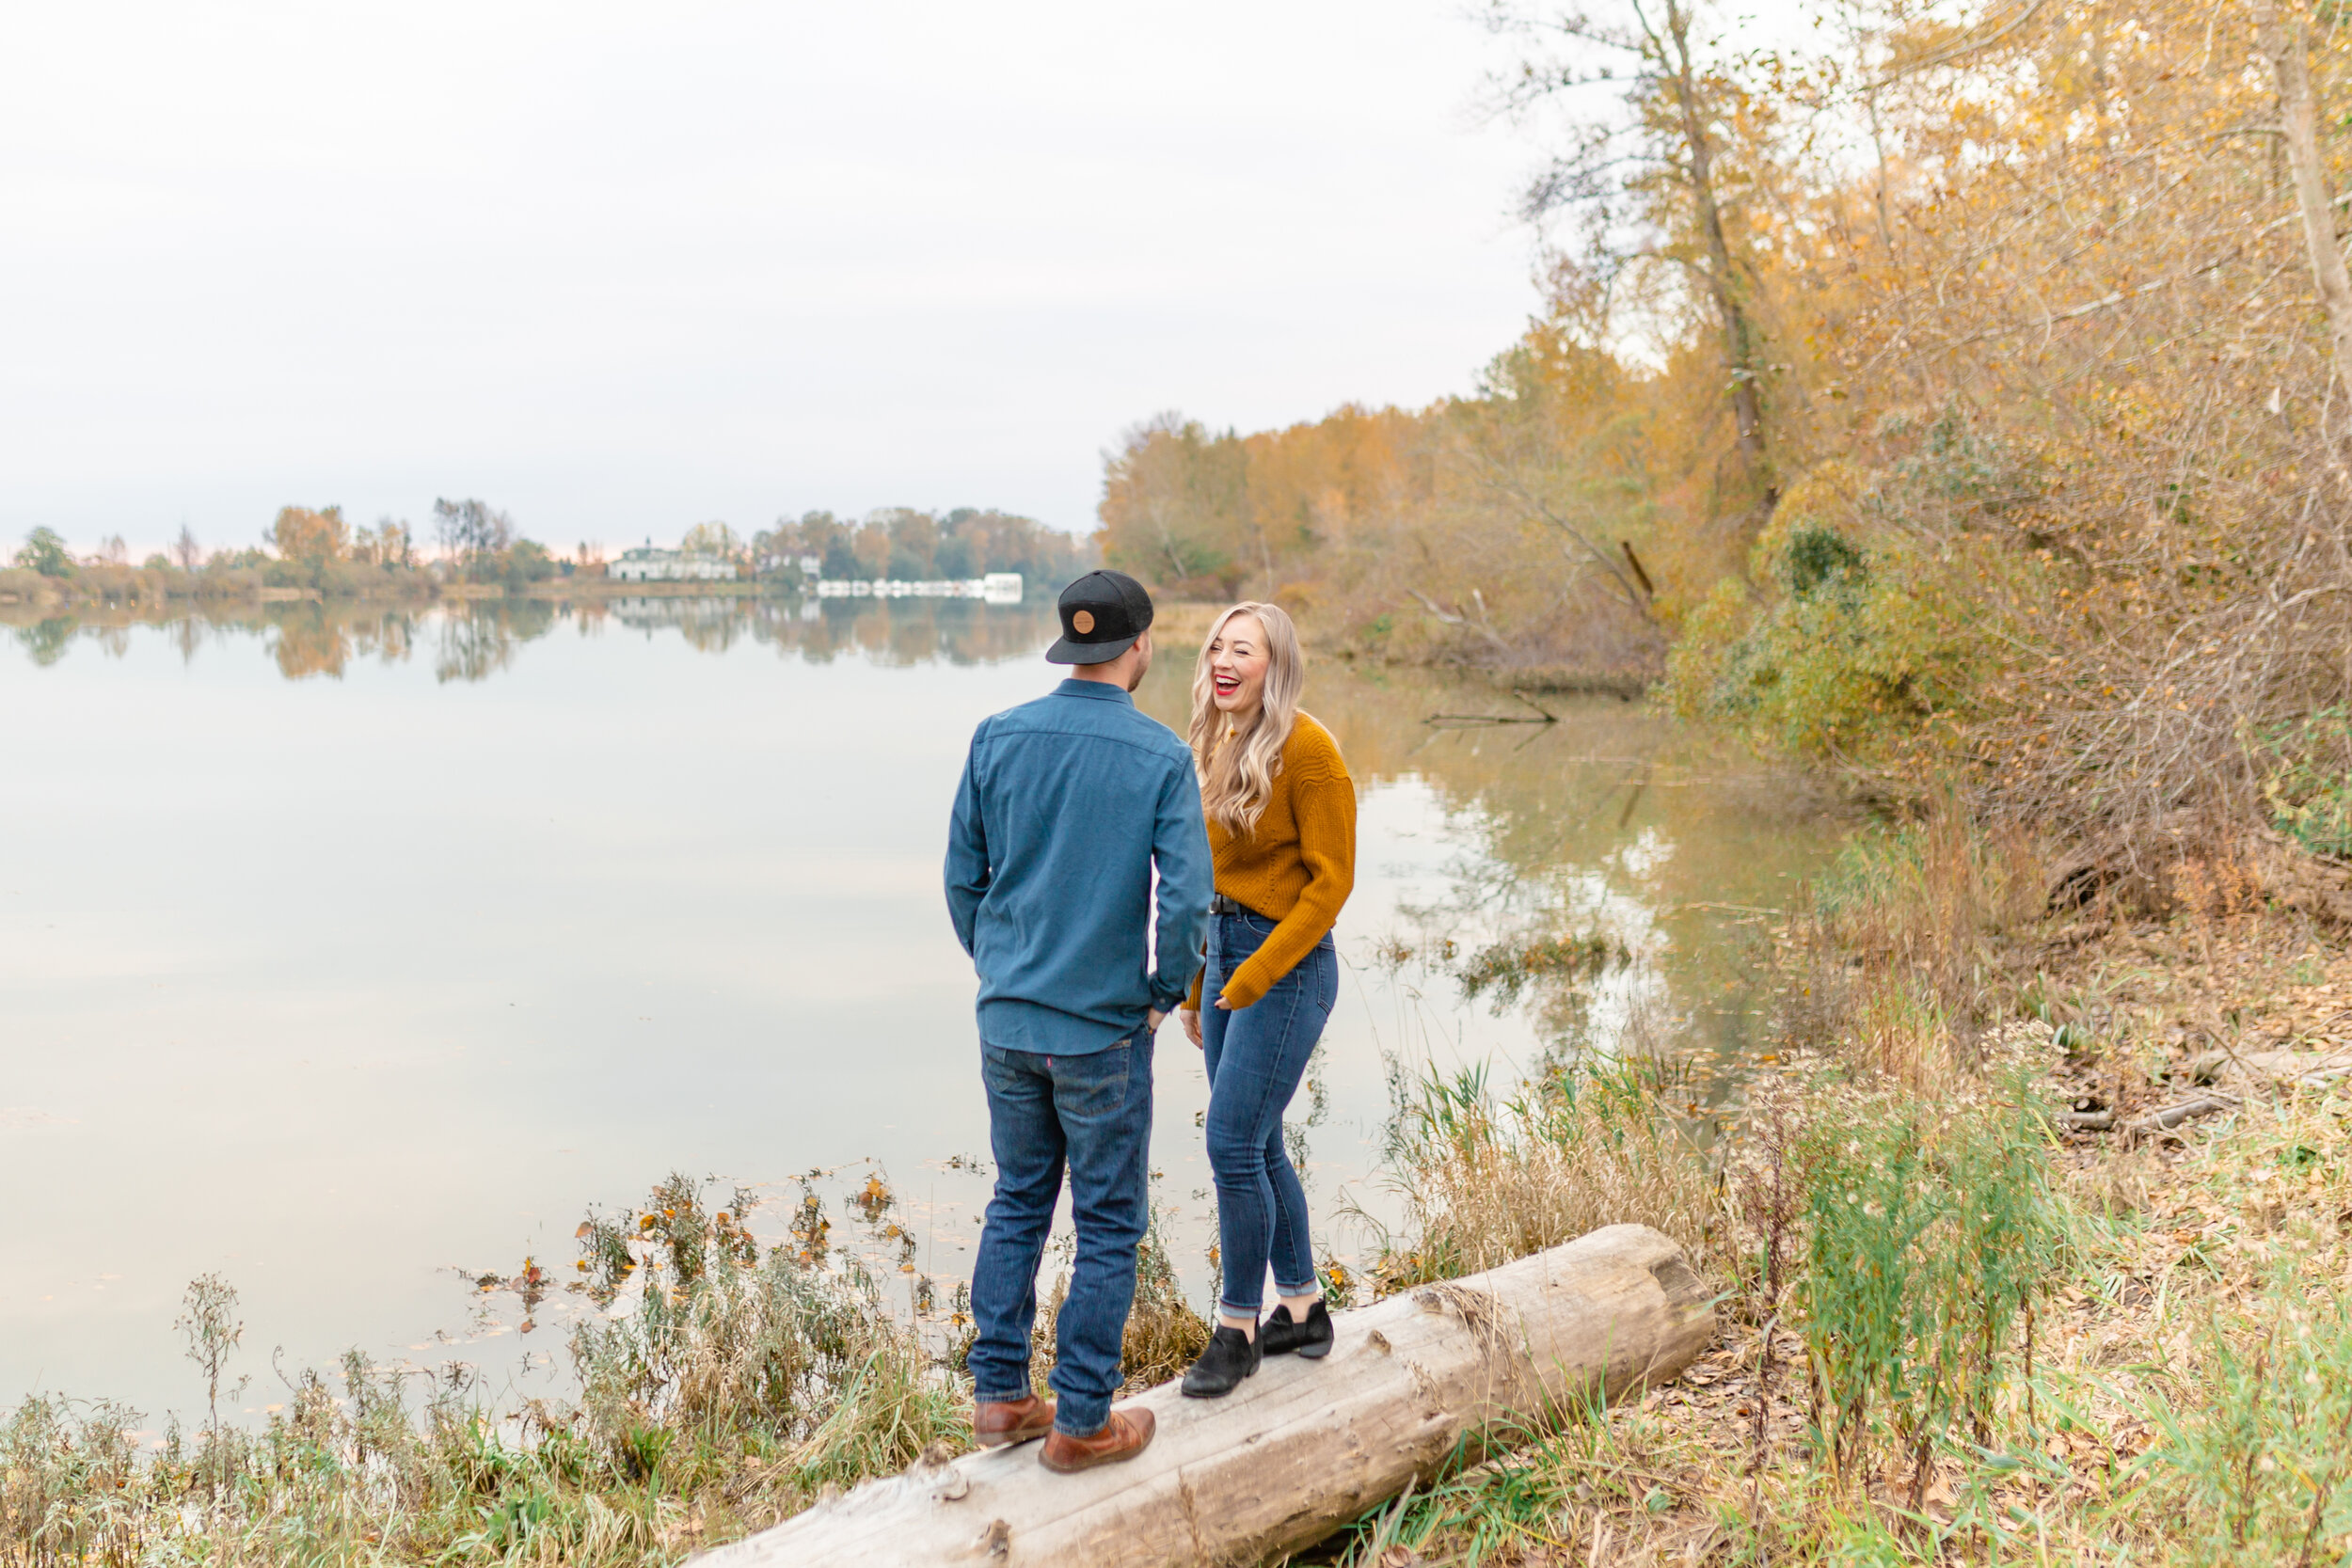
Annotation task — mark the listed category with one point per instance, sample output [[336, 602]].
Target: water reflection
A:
[[474, 640], [648, 935], [1622, 864], [45, 640], [1616, 868]]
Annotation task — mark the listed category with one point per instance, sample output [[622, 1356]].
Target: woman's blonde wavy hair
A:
[[1237, 770]]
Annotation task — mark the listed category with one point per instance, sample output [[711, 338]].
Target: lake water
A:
[[352, 954]]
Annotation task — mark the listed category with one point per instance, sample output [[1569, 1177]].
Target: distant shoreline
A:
[[94, 588]]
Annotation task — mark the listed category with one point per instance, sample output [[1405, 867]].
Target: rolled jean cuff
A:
[[1231, 1311], [981, 1397], [1309, 1288], [1072, 1423]]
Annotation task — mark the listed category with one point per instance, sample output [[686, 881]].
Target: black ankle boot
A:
[[1231, 1355], [1279, 1336]]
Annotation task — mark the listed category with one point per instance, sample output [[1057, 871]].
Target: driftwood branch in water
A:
[[1544, 715], [1304, 1446]]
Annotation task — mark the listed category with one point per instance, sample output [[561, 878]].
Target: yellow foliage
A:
[[2036, 352], [302, 534], [1829, 496]]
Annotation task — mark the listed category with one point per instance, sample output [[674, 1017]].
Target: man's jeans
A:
[[1093, 1114], [1256, 1058]]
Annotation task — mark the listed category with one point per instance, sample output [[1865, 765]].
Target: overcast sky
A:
[[619, 269]]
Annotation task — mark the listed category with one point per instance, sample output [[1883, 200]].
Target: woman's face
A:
[[1237, 661]]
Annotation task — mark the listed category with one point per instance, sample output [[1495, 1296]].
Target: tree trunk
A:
[[2298, 119], [1747, 405], [1304, 1446]]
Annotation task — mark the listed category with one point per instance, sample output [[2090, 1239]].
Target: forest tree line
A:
[[1968, 392], [472, 542], [906, 545]]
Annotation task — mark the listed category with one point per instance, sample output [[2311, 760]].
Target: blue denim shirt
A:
[[1067, 805]]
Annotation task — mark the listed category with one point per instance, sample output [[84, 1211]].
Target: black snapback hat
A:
[[1102, 615]]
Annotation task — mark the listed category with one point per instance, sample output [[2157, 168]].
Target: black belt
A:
[[1219, 904]]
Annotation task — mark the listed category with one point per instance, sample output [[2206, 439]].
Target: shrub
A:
[[2306, 768], [2266, 1450], [1927, 1231], [1853, 642]]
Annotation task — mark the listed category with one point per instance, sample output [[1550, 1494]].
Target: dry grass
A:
[[728, 1389], [1486, 1179], [1908, 949], [2176, 1385], [1165, 1334]]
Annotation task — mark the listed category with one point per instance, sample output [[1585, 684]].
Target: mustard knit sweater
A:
[[1297, 867]]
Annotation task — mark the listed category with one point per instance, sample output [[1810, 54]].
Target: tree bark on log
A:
[[1302, 1448]]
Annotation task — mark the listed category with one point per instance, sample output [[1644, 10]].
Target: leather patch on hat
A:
[[1081, 621]]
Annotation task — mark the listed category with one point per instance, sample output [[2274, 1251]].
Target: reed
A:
[[1486, 1178], [735, 1387]]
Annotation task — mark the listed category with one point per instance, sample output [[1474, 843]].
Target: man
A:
[[1068, 805]]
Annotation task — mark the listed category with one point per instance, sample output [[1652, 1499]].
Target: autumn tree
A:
[[470, 530], [309, 537], [1174, 504], [44, 552], [827, 537], [2283, 43], [185, 552], [715, 540], [975, 540], [1657, 171], [389, 544]]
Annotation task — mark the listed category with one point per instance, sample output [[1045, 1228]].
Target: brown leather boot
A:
[[1127, 1433], [997, 1423]]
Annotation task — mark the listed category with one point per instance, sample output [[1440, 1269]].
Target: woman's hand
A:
[[1190, 1018], [1223, 1006]]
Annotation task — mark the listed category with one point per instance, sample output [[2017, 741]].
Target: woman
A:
[[1281, 815]]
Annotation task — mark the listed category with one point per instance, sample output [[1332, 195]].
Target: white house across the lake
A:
[[994, 588], [647, 563]]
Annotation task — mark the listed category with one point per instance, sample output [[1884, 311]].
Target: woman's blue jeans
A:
[[1256, 1056]]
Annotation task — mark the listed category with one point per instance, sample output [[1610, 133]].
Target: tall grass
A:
[[1486, 1178], [733, 1389], [1947, 1332], [1905, 953], [721, 1385], [1929, 1230], [1165, 1333]]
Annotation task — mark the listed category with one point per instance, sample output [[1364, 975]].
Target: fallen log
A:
[[1302, 1448], [2189, 1110], [2305, 1070]]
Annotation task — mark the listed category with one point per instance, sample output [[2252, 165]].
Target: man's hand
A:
[[1191, 1017], [1152, 1018]]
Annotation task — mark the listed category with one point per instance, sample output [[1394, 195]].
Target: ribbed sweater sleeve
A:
[[1323, 802]]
